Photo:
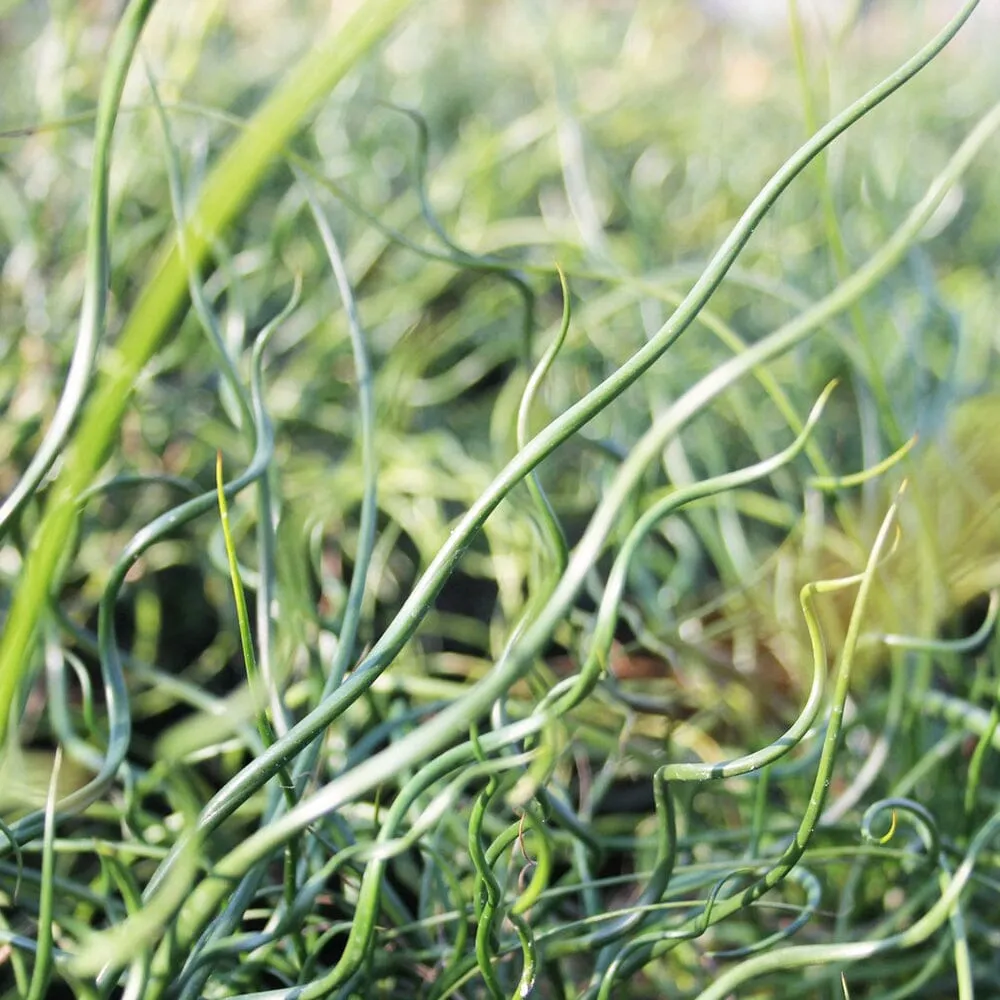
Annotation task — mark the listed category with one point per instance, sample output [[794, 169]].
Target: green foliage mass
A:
[[499, 500]]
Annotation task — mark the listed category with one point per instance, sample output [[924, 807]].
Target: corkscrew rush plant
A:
[[18, 636], [422, 617], [697, 397]]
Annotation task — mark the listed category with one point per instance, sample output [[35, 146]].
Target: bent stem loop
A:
[[803, 956], [633, 956]]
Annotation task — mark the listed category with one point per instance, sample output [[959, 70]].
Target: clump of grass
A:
[[522, 655]]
